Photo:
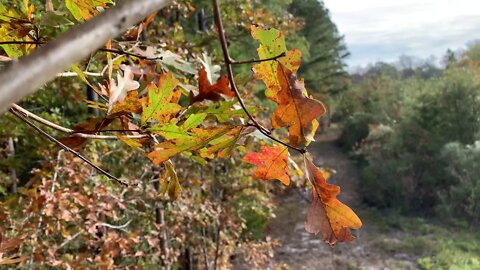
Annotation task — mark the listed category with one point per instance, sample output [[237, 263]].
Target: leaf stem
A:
[[52, 139], [257, 60]]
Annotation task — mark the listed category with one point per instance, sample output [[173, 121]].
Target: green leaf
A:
[[222, 145], [200, 137], [85, 9], [160, 105], [272, 43], [223, 110], [173, 131]]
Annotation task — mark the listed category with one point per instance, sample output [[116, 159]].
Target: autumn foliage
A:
[[167, 111]]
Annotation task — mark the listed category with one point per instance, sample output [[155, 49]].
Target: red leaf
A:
[[271, 162], [211, 91]]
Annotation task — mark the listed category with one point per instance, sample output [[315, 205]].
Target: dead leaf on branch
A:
[[326, 214], [11, 245], [210, 91], [169, 182]]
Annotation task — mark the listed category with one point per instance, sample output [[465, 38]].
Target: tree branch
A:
[[115, 51], [52, 139], [31, 72], [228, 64], [72, 132]]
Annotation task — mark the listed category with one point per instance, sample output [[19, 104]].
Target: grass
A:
[[431, 243]]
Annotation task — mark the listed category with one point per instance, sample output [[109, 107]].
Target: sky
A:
[[382, 30]]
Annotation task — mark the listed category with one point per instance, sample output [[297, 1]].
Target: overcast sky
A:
[[385, 29]]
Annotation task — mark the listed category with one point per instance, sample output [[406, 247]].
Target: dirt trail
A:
[[301, 250]]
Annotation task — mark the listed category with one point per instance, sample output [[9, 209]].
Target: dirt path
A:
[[301, 250]]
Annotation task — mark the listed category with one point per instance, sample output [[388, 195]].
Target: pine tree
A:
[[323, 65]]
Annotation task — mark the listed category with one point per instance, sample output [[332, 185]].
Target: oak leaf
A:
[[169, 182], [210, 91], [118, 90], [130, 104], [222, 145], [272, 163], [223, 111], [194, 139], [326, 214], [295, 109], [272, 44], [162, 100], [85, 9]]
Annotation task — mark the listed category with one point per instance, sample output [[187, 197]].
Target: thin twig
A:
[[68, 240], [131, 54], [217, 246], [117, 227], [13, 42], [228, 65], [52, 139], [108, 130], [72, 132], [252, 61], [74, 74], [205, 249]]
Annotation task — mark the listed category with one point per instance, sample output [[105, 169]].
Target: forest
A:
[[226, 134]]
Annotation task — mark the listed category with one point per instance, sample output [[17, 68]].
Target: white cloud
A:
[[384, 29]]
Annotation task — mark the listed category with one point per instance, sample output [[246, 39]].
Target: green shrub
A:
[[355, 129], [462, 198]]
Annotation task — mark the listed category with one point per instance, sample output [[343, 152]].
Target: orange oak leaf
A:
[[211, 91], [326, 214], [131, 104], [295, 109], [272, 163]]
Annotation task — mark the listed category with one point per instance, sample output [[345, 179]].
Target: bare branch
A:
[[52, 139], [31, 72]]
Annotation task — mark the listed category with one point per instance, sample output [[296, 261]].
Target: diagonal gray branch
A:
[[29, 73]]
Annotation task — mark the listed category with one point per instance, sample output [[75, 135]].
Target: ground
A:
[[301, 250], [387, 240]]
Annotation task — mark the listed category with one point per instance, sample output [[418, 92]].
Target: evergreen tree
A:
[[323, 64]]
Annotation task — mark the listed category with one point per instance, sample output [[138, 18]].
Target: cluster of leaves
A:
[[181, 115]]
